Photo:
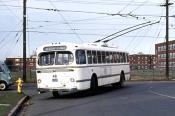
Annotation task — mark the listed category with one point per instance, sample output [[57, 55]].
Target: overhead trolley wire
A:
[[126, 6], [88, 12], [113, 3], [67, 23], [140, 5]]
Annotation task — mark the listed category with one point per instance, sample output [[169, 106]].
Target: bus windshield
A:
[[55, 58], [63, 58]]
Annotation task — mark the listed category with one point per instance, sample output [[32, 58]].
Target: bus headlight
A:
[[72, 80], [39, 81]]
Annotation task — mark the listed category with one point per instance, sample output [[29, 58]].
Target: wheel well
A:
[[94, 82], [5, 85], [1, 81], [94, 75]]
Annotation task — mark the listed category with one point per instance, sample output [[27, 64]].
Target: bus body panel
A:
[[55, 80], [75, 76]]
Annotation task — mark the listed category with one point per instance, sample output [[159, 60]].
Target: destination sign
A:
[[54, 48]]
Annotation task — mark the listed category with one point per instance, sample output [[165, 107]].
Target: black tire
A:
[[122, 80], [115, 85], [120, 84], [55, 94], [94, 83], [3, 86]]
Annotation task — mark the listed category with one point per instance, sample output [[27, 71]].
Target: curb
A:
[[15, 110]]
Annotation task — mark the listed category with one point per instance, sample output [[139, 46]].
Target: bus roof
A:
[[73, 46]]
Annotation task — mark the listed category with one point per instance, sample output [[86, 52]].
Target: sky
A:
[[83, 21]]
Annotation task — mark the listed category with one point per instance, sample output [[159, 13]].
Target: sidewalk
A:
[[29, 89]]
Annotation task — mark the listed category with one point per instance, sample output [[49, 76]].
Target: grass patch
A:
[[156, 74], [8, 100]]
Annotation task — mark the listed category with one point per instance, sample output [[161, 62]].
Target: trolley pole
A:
[[24, 40]]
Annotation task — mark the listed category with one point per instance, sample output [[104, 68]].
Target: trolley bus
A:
[[68, 67]]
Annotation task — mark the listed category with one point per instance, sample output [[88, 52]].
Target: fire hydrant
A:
[[19, 85]]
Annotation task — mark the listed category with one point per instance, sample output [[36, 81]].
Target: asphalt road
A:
[[135, 99]]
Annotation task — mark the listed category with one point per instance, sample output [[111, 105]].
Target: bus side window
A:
[[99, 57], [118, 57], [103, 57], [127, 57], [107, 57], [80, 57], [89, 56], [114, 57], [121, 57], [94, 57], [124, 56], [111, 57]]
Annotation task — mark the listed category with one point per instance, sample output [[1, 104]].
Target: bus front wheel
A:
[[94, 83]]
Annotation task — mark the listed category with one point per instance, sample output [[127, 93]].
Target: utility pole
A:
[[167, 4], [24, 40], [167, 39]]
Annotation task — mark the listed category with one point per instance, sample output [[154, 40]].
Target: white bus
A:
[[68, 67]]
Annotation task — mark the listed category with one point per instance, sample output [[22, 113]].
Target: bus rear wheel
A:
[[120, 84], [55, 94], [122, 80], [3, 86]]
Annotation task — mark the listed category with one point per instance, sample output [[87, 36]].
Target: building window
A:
[[159, 49], [173, 46], [170, 46], [17, 60], [173, 55], [17, 64], [164, 48]]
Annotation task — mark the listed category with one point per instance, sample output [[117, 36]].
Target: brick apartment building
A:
[[160, 53], [142, 61], [16, 64]]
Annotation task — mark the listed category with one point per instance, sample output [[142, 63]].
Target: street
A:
[[135, 99]]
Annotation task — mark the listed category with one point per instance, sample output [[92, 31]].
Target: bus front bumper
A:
[[61, 91]]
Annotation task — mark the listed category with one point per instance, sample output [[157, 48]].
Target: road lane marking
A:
[[163, 95]]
